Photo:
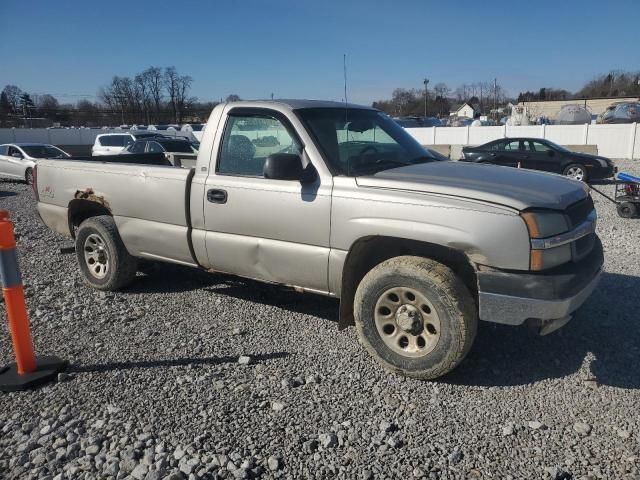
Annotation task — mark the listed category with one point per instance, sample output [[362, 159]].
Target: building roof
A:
[[457, 108]]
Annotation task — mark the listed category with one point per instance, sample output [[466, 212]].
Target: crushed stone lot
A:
[[194, 375]]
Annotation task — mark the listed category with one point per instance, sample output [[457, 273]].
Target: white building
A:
[[464, 110]]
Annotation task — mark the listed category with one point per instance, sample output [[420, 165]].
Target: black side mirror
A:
[[283, 166], [551, 153]]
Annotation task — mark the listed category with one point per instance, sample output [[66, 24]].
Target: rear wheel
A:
[[103, 258], [28, 176], [415, 317], [576, 171], [627, 209]]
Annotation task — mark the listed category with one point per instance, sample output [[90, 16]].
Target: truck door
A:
[[273, 230]]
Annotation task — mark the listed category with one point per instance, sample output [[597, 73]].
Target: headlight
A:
[[545, 224], [542, 225]]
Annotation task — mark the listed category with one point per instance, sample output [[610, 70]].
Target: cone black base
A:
[[46, 371]]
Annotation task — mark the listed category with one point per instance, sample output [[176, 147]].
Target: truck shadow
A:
[[177, 362], [168, 278], [603, 340]]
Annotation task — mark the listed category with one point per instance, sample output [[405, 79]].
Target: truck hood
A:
[[512, 187]]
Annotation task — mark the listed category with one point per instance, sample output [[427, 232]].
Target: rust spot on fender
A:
[[89, 194]]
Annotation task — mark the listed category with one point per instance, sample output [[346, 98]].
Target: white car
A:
[[115, 143], [18, 159]]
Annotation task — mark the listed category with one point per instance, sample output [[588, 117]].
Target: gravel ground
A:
[[156, 388]]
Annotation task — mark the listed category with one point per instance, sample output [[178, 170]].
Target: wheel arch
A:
[[367, 252], [80, 209]]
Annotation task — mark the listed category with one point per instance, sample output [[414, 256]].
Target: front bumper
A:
[[513, 298]]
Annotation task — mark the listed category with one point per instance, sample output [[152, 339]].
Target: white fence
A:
[[613, 141], [73, 136]]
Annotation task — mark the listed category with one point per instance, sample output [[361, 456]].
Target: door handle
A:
[[217, 196]]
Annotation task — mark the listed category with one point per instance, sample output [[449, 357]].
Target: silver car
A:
[[18, 159]]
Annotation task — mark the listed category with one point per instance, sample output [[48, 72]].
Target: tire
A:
[[444, 316], [627, 209], [576, 171], [104, 261], [28, 176]]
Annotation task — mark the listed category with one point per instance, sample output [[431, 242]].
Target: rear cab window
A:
[[114, 140]]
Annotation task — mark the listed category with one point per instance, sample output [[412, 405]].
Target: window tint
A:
[[138, 147], [539, 147], [13, 150], [4, 150], [180, 146], [155, 147], [113, 140], [249, 140], [496, 146], [513, 145]]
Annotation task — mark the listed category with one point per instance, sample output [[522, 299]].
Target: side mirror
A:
[[283, 166], [551, 153], [16, 155]]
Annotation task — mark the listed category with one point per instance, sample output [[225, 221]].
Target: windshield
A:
[[556, 146], [361, 142], [177, 146], [44, 151]]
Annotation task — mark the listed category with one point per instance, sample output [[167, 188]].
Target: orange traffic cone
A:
[[28, 371]]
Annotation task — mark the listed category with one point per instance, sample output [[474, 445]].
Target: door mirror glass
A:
[[283, 166]]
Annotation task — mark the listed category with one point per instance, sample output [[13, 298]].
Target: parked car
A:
[[114, 143], [541, 154], [192, 127], [178, 151], [18, 159], [345, 204], [164, 127]]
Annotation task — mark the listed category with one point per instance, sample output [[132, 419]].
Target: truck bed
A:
[[147, 201]]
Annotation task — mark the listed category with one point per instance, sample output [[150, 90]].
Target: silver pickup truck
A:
[[339, 200]]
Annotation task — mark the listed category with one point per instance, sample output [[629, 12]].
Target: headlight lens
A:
[[542, 225], [545, 224]]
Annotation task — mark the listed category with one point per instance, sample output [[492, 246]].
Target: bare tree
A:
[[171, 81], [13, 95], [182, 95], [153, 80]]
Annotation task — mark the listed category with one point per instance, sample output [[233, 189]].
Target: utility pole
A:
[[426, 95], [495, 97]]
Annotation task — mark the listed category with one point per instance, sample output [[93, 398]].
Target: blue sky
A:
[[294, 48]]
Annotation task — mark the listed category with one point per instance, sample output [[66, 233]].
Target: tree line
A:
[[617, 83], [153, 96], [440, 99]]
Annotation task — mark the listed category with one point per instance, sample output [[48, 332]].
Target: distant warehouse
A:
[[550, 108]]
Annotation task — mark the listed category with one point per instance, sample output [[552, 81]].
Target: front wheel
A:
[[627, 209], [415, 317], [576, 171], [104, 261]]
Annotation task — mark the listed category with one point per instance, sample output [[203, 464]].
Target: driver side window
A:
[[14, 150], [138, 147], [249, 140]]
